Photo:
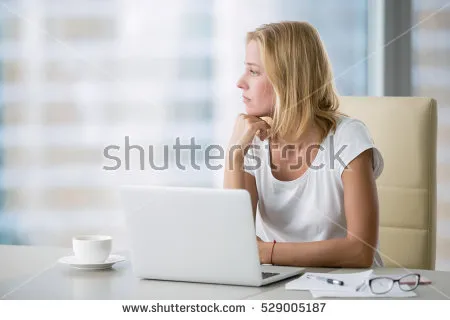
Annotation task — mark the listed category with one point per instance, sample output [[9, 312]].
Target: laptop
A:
[[195, 234]]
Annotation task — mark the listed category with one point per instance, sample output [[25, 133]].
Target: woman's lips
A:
[[245, 99]]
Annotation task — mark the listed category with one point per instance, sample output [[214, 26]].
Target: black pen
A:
[[328, 280]]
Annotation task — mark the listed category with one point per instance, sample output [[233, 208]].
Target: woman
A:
[[309, 169]]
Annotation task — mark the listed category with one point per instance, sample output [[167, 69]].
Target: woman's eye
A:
[[253, 73]]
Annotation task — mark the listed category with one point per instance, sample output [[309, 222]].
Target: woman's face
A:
[[257, 92]]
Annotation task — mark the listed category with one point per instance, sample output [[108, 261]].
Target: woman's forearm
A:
[[342, 252], [234, 169]]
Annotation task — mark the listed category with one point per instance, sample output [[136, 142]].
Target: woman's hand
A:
[[245, 129]]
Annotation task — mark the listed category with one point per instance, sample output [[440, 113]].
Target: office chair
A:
[[405, 131]]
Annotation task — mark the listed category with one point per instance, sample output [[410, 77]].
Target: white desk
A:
[[33, 273]]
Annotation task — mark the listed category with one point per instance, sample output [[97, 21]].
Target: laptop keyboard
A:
[[266, 275]]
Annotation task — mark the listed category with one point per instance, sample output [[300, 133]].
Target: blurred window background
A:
[[431, 77], [79, 77]]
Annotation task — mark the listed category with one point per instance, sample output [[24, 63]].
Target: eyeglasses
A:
[[380, 285]]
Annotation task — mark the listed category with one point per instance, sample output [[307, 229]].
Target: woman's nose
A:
[[241, 84]]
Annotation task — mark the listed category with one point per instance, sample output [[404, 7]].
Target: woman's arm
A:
[[236, 178], [234, 175], [358, 247], [234, 169]]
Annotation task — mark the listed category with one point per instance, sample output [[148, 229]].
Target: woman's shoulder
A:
[[346, 123], [352, 137], [348, 128]]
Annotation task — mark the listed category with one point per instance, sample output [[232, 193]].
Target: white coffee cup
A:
[[92, 248]]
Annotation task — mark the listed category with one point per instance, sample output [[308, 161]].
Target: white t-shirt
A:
[[311, 207]]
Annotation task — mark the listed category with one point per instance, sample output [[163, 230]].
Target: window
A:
[[431, 78], [80, 76]]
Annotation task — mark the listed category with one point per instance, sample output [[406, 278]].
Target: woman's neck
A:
[[312, 135]]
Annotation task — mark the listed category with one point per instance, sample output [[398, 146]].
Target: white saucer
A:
[[72, 261]]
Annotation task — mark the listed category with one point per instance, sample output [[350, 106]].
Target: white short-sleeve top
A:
[[311, 207]]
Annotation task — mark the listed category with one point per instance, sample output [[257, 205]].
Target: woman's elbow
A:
[[362, 255], [366, 261], [365, 257]]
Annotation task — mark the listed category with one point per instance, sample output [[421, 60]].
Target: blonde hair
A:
[[299, 70]]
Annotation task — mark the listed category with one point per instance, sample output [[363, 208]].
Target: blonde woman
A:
[[309, 169]]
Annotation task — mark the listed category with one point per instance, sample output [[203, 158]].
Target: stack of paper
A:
[[355, 285]]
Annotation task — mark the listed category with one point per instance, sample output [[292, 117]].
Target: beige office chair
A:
[[404, 129]]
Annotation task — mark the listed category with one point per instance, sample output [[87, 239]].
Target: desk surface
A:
[[33, 273]]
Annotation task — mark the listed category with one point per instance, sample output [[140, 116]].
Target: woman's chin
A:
[[255, 112]]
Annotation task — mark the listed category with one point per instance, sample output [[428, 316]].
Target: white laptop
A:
[[195, 235]]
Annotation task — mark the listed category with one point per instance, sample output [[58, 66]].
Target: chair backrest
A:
[[405, 131]]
